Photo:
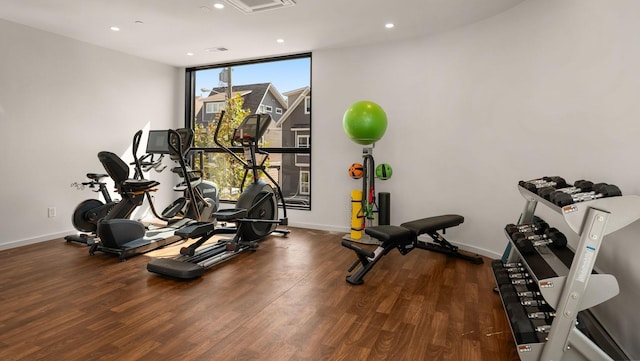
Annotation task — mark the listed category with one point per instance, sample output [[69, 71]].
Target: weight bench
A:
[[405, 239]]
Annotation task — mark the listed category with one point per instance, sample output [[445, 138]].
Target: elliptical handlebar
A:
[[224, 147], [175, 144], [134, 150]]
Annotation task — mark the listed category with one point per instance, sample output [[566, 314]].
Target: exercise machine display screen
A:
[[158, 142]]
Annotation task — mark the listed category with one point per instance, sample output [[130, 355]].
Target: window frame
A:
[[190, 96]]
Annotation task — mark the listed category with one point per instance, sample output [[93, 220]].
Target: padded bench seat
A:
[[433, 224], [388, 233], [405, 239]]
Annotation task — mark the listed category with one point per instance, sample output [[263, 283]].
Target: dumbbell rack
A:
[[566, 279]]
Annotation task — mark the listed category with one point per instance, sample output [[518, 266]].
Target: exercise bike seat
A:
[[96, 176], [433, 224]]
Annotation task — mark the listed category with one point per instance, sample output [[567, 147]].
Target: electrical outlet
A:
[[51, 212]]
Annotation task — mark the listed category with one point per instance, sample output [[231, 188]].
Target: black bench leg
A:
[[366, 259], [441, 245]]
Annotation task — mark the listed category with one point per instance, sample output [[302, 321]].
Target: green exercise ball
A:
[[364, 122]]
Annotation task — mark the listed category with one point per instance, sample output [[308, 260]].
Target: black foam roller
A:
[[384, 208]]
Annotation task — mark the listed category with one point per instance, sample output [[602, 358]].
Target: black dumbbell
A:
[[539, 315], [511, 264], [527, 242], [581, 186], [535, 227], [507, 288], [600, 190], [528, 293], [533, 288], [535, 184], [522, 325], [578, 186], [536, 302]]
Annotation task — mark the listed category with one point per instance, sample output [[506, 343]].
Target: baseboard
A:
[[28, 241], [319, 227]]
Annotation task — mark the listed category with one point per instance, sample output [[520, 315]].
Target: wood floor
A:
[[286, 301]]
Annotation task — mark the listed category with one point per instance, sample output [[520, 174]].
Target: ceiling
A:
[[167, 30]]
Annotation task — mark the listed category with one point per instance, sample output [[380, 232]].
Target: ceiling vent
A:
[[253, 6]]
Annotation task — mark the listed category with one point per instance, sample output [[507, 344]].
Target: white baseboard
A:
[[28, 241]]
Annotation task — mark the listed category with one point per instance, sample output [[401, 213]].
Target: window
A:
[[302, 141], [278, 82], [212, 108], [305, 181]]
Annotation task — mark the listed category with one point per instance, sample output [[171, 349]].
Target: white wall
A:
[[546, 88], [61, 102]]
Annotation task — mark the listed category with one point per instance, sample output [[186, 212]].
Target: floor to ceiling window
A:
[[278, 88]]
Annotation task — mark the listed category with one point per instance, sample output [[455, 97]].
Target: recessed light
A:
[[280, 41], [189, 54], [138, 22], [389, 25], [114, 28], [218, 6]]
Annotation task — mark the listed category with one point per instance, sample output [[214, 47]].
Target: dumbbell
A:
[[578, 186], [524, 290], [535, 227], [546, 316], [600, 190], [521, 324], [528, 293], [535, 184], [527, 241], [535, 302]]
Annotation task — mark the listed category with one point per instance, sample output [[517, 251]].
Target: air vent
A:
[[252, 6]]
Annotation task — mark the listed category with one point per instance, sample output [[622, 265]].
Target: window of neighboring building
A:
[[214, 107], [307, 105], [245, 84], [305, 182], [302, 141]]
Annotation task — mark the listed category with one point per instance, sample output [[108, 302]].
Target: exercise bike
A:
[[126, 237], [255, 213], [87, 214]]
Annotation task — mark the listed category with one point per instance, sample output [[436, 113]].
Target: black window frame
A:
[[189, 115]]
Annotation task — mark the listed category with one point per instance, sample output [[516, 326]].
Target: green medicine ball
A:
[[383, 171]]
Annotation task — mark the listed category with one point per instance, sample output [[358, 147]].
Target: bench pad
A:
[[388, 233], [433, 224]]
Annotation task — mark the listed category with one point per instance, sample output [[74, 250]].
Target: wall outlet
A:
[[51, 211]]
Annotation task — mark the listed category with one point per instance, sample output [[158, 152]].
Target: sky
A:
[[285, 75]]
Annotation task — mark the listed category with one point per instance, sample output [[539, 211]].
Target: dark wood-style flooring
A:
[[286, 301]]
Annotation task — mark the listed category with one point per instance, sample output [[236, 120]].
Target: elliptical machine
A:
[[204, 201], [255, 213]]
